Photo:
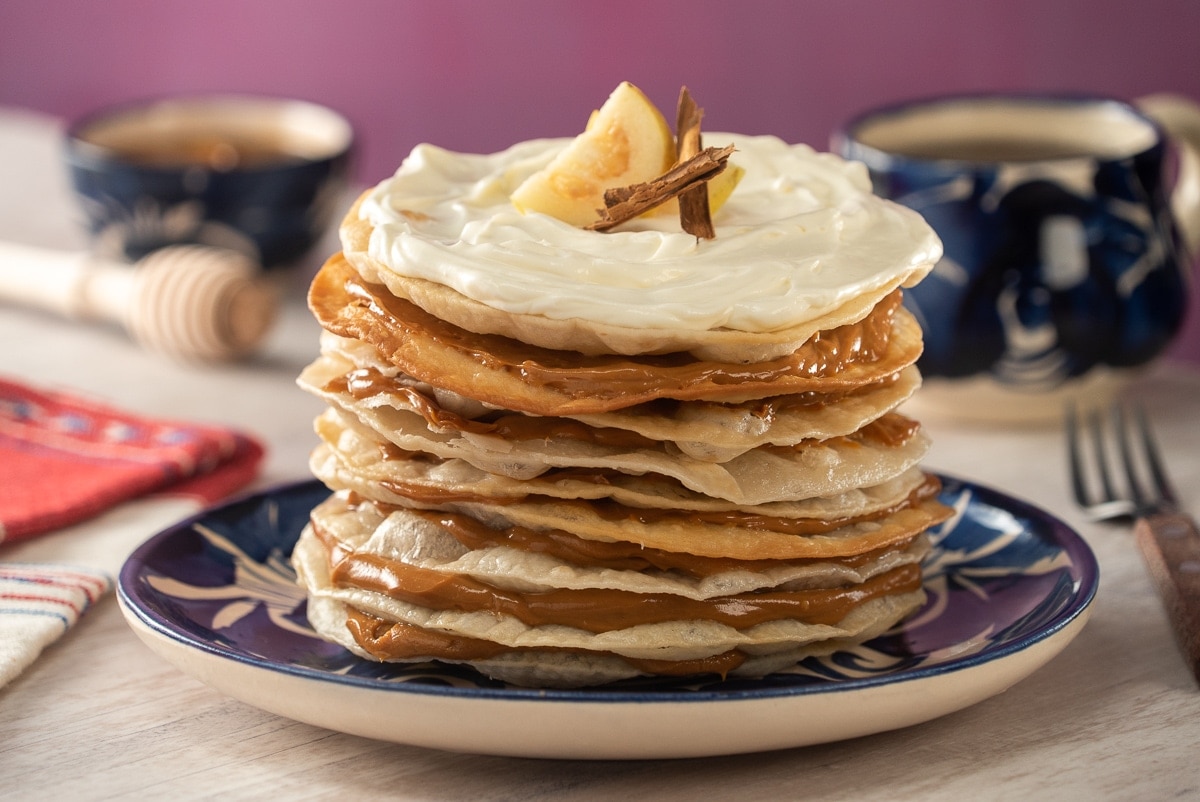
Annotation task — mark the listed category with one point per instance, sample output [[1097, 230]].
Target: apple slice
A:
[[626, 141]]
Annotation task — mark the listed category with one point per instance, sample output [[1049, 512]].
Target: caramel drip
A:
[[623, 555], [425, 493], [602, 610], [396, 640], [769, 409], [720, 664], [388, 640], [390, 451], [741, 519], [571, 374], [363, 383], [619, 555], [765, 409], [436, 494], [891, 431]]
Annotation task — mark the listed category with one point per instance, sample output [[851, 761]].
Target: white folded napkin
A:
[[39, 603]]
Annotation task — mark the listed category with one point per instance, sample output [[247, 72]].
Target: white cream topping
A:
[[801, 235]]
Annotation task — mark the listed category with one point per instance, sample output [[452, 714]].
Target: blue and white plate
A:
[[1009, 587]]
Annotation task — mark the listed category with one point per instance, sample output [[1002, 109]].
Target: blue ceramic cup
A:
[[1066, 265], [264, 176]]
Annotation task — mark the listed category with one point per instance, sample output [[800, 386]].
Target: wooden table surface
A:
[[98, 716]]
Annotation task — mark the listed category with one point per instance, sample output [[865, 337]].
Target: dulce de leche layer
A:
[[627, 556], [603, 610], [396, 640], [891, 429], [540, 381], [473, 534]]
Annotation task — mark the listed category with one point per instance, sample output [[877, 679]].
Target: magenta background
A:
[[480, 75]]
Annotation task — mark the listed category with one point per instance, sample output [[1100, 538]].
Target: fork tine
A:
[[1090, 466], [1128, 460], [1102, 458], [1154, 462], [1078, 485]]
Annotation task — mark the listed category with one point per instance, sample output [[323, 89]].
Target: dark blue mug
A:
[[263, 176], [1066, 264]]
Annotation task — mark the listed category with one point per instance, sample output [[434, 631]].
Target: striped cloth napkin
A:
[[39, 603], [64, 460]]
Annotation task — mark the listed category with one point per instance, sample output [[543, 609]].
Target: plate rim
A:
[[1065, 536]]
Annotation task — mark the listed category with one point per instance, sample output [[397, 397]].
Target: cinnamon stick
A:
[[694, 215], [625, 203]]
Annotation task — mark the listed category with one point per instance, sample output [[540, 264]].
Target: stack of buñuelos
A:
[[567, 457]]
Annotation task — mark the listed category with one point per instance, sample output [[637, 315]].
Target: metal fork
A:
[[1166, 536]]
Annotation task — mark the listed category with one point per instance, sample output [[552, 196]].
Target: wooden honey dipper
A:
[[192, 302]]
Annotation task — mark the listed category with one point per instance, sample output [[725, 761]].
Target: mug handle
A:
[[1180, 118]]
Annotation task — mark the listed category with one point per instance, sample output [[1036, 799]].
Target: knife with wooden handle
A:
[[1170, 544]]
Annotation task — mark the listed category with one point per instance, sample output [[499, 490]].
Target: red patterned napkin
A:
[[64, 459]]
